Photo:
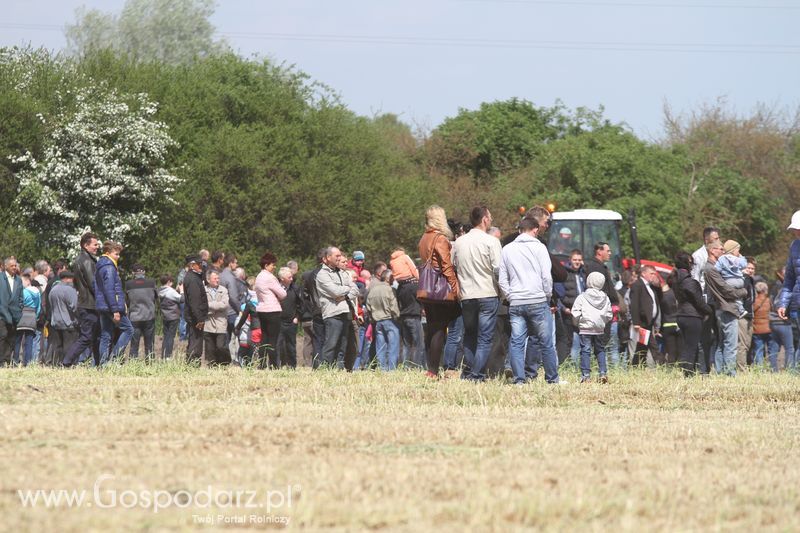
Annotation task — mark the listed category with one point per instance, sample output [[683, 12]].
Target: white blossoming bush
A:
[[102, 168]]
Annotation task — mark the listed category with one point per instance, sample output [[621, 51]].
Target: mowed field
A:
[[371, 450]]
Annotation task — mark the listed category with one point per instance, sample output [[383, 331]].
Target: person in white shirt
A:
[[700, 256], [476, 257]]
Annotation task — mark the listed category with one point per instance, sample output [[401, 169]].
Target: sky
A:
[[424, 60]]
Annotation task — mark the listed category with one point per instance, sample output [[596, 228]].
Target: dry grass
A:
[[651, 451]]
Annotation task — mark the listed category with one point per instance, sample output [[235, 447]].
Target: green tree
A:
[[501, 136], [101, 169], [172, 31]]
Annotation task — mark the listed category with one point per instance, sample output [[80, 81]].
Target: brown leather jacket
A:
[[435, 247], [761, 308]]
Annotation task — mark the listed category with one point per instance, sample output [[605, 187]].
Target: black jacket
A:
[[642, 305], [690, 296], [747, 301], [84, 269], [293, 303], [593, 265], [407, 299], [196, 300], [571, 286], [310, 305], [669, 307]]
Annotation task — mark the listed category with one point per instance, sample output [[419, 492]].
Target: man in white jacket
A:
[[476, 257], [527, 284]]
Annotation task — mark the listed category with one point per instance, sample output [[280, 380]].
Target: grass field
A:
[[650, 451]]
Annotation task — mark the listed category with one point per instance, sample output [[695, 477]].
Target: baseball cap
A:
[[795, 224]]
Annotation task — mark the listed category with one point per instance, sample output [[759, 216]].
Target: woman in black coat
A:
[[692, 310]]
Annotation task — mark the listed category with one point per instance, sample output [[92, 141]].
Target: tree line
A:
[[253, 155]]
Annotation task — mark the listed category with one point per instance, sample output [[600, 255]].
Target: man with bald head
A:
[[10, 308], [722, 297]]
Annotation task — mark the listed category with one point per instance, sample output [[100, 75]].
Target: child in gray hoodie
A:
[[591, 312]]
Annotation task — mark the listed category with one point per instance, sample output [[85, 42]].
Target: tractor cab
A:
[[582, 229]]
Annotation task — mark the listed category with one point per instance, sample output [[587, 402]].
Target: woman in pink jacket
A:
[[269, 294]]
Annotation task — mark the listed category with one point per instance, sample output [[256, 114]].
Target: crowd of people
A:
[[477, 304]]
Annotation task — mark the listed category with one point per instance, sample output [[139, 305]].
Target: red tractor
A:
[[583, 228]]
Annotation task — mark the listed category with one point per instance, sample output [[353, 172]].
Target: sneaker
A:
[[563, 382], [586, 379], [431, 375], [508, 373], [604, 380]]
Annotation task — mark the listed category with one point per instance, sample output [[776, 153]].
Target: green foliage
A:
[[502, 136], [270, 160], [172, 31]]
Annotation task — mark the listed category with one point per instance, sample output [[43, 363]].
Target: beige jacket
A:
[[476, 257], [217, 320]]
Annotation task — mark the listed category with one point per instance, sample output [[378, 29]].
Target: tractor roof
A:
[[587, 214]]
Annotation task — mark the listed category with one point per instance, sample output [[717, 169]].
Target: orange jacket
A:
[[402, 266]]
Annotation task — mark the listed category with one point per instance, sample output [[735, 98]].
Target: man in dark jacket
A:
[[196, 307], [743, 352], [10, 308], [316, 329], [410, 322], [646, 314], [573, 286], [602, 254], [142, 295], [291, 307], [88, 319], [723, 297]]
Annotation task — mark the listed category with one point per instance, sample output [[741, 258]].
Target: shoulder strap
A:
[[429, 261]]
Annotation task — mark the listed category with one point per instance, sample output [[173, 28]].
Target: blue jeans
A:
[[575, 350], [480, 316], [411, 340], [792, 362], [107, 327], [727, 340], [781, 336], [587, 343], [24, 352], [534, 321], [363, 355], [182, 334], [37, 345], [760, 347], [387, 344], [613, 345], [453, 347]]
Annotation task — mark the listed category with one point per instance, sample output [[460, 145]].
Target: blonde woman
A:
[[434, 248]]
